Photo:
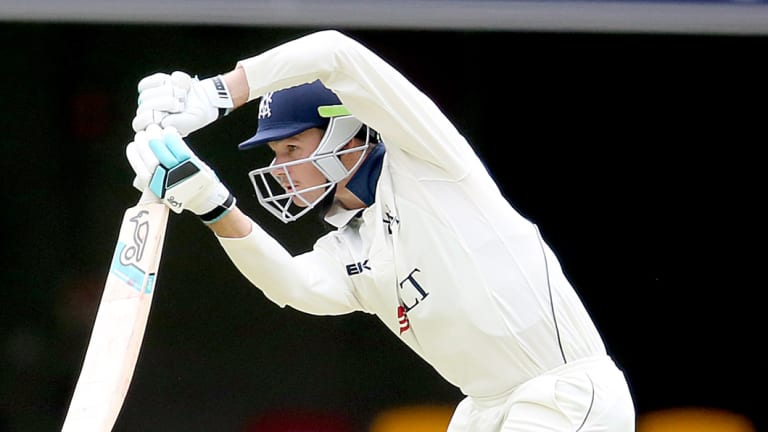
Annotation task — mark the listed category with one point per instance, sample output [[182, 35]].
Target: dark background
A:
[[639, 156]]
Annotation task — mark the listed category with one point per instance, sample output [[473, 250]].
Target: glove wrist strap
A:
[[219, 211], [218, 94]]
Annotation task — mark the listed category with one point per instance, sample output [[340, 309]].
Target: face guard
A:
[[326, 158]]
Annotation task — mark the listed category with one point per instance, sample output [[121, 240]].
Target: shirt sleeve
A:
[[309, 282], [373, 91]]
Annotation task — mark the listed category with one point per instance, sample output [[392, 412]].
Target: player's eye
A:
[[292, 150]]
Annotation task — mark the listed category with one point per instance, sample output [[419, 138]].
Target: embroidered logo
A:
[[265, 106], [389, 219]]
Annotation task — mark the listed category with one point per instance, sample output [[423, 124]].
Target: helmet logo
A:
[[265, 106]]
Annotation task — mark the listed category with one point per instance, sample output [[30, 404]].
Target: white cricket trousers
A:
[[587, 395]]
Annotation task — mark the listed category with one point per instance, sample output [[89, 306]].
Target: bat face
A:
[[120, 321]]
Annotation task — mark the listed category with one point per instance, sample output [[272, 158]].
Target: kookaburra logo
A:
[[133, 253], [265, 106]]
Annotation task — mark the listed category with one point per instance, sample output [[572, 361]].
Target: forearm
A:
[[306, 282], [234, 224]]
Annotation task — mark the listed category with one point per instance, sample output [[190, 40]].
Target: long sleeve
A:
[[373, 91], [306, 282]]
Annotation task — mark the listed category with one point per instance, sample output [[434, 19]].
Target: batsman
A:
[[422, 236]]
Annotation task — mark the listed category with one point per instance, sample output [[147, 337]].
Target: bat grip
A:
[[148, 197]]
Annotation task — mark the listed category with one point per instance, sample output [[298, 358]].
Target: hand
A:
[[180, 101], [165, 164]]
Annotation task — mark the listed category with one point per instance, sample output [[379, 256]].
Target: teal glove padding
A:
[[165, 164]]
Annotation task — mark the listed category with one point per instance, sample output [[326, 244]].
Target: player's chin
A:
[[304, 200], [299, 203]]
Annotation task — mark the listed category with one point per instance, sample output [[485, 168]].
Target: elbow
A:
[[337, 41]]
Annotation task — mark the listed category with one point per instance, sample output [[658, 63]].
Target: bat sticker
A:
[[134, 252], [125, 263]]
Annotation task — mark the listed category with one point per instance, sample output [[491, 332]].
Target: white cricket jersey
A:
[[441, 257]]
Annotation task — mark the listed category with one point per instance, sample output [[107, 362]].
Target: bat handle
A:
[[148, 197]]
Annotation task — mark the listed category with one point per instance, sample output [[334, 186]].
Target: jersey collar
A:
[[362, 184]]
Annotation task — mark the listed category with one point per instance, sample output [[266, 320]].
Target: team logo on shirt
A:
[[412, 291], [390, 219], [411, 294], [265, 106]]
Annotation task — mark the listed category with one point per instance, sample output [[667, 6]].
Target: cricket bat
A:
[[121, 319]]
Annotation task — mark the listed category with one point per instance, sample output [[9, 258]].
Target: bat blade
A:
[[120, 322]]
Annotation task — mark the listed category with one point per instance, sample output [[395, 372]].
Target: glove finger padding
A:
[[181, 80], [197, 110], [170, 149], [177, 79], [181, 101], [186, 122], [178, 176], [152, 81], [159, 98], [160, 94], [141, 180], [143, 119], [140, 157]]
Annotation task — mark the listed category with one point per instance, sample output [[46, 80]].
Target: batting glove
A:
[[180, 101], [165, 164]]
